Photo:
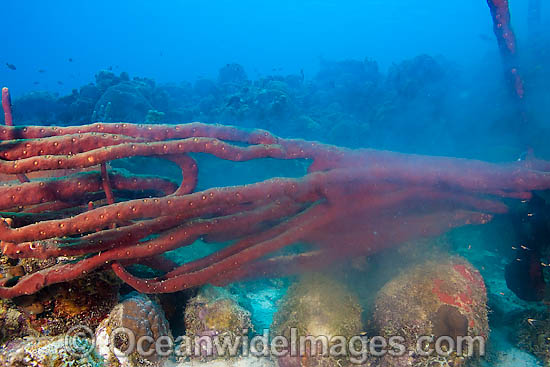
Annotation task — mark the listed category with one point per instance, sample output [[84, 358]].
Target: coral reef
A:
[[344, 96], [416, 77], [321, 307], [123, 102], [349, 101], [49, 352], [37, 107], [154, 116], [532, 330], [55, 309], [214, 313], [232, 74], [136, 318], [14, 322], [78, 106], [445, 298]]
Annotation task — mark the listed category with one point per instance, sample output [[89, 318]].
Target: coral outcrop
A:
[[436, 299], [214, 313], [320, 307], [135, 323]]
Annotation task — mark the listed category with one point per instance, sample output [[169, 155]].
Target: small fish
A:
[[532, 322], [469, 247], [11, 66], [525, 248], [545, 265], [110, 68], [523, 156], [530, 214], [41, 71], [60, 82], [501, 293], [70, 59], [36, 83], [518, 259], [514, 248]]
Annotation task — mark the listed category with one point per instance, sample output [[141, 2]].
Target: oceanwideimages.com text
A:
[[357, 349]]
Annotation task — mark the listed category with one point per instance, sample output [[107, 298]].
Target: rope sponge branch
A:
[[347, 203]]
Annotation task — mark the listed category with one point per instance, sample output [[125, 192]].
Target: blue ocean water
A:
[[424, 77], [175, 41]]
